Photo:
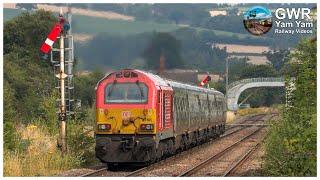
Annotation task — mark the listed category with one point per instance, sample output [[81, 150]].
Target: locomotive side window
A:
[[126, 93]]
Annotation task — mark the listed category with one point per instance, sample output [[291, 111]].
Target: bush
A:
[[81, 141], [261, 110], [291, 145], [30, 119]]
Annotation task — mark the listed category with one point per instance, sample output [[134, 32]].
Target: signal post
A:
[[62, 30], [62, 112]]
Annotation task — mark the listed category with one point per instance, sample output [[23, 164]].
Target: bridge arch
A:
[[237, 87]]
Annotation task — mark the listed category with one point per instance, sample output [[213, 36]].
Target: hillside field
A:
[[95, 25]]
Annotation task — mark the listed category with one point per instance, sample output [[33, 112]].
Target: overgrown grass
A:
[[36, 153], [39, 157], [39, 164]]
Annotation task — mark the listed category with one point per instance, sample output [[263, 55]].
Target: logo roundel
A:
[[257, 20]]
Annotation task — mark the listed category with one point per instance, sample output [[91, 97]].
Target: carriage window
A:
[[126, 93]]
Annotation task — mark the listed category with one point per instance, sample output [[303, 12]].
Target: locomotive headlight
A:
[[149, 127], [146, 127], [104, 127]]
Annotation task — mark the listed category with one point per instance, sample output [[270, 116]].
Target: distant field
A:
[[236, 48], [257, 60], [229, 34], [87, 12], [94, 25], [90, 25], [253, 53], [10, 13]]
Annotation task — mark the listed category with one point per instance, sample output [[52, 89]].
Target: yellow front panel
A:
[[126, 121]]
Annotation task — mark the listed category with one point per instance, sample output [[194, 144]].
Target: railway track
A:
[[245, 123], [243, 159], [204, 163], [154, 166], [95, 172], [230, 131]]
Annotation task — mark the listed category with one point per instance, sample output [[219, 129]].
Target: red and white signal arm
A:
[[205, 81], [52, 37]]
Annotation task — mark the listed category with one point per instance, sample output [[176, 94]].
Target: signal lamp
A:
[[104, 127], [146, 127]]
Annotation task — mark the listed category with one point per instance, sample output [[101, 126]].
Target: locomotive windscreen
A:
[[126, 93]]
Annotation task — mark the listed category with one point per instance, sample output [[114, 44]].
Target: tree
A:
[[176, 16], [166, 44], [277, 58], [110, 51], [27, 29], [254, 71], [85, 85], [25, 73], [263, 96], [291, 147]]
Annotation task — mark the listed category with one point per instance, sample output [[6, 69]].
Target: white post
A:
[[62, 115]]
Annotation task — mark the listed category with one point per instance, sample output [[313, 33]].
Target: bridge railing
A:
[[251, 80]]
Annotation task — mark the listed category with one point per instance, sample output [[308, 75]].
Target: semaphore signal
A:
[[62, 30], [205, 81], [59, 27], [52, 37]]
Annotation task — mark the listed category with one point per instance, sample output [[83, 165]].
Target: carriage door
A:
[[167, 109]]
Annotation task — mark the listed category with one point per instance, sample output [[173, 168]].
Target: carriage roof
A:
[[175, 84]]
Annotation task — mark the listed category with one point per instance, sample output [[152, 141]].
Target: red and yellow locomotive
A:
[[142, 117]]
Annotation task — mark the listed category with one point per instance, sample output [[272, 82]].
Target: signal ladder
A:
[[68, 62]]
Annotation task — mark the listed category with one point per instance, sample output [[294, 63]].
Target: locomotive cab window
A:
[[126, 93]]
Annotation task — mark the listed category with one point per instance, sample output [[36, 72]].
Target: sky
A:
[[261, 12]]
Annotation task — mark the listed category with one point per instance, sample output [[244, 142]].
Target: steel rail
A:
[[236, 165], [94, 172], [135, 173], [202, 164], [207, 161], [257, 117]]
